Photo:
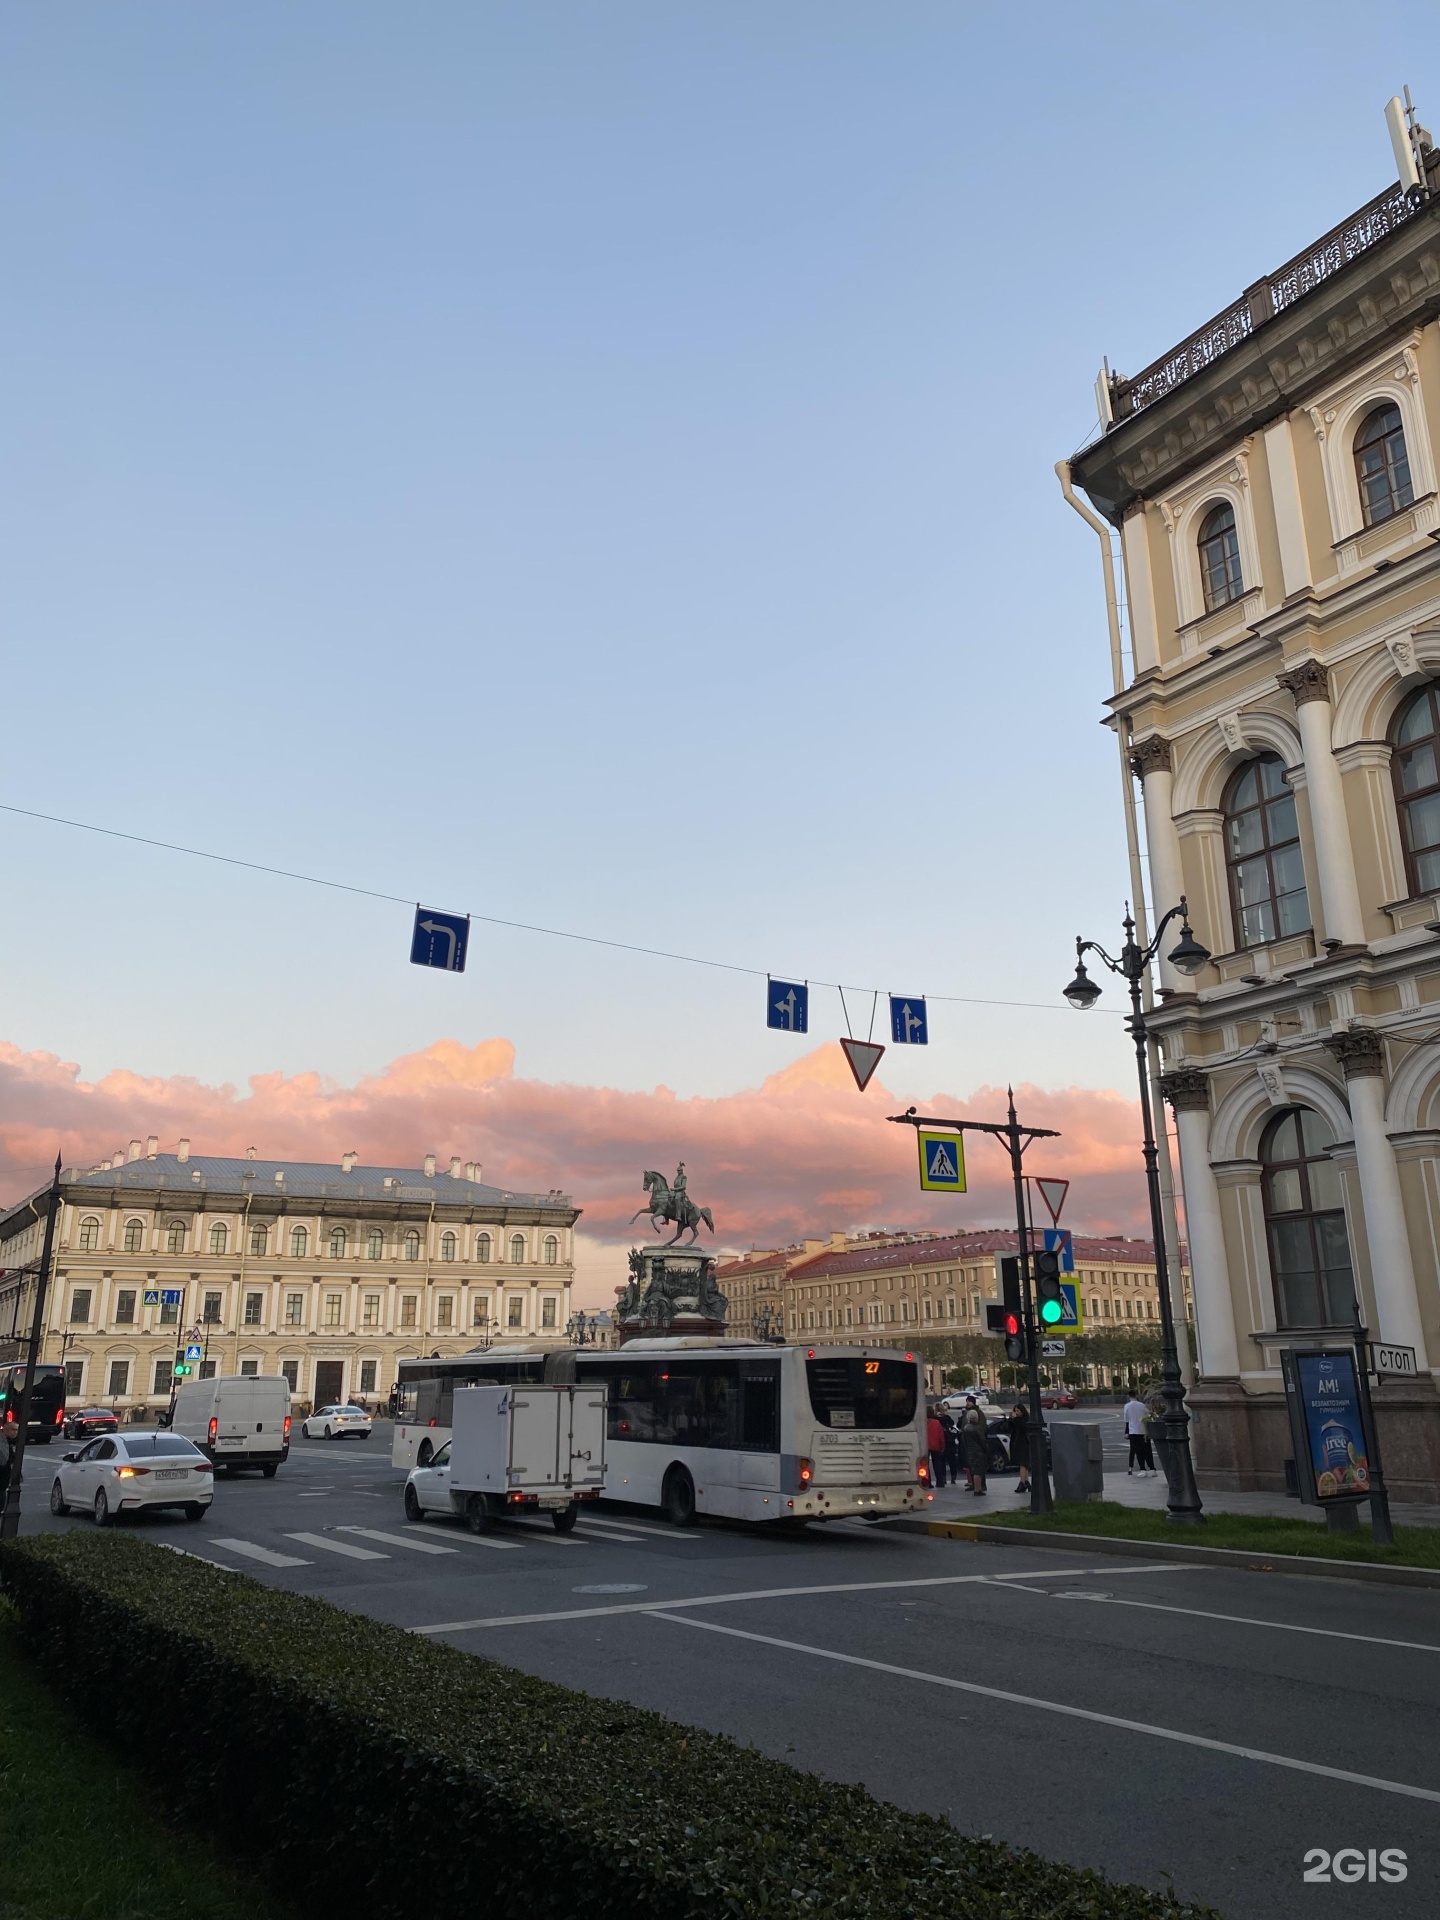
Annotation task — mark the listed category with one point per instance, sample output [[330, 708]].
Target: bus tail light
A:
[[922, 1471], [59, 1415], [807, 1473], [214, 1428]]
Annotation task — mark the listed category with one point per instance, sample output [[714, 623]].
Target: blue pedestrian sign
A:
[[1072, 1318], [942, 1161], [151, 1297], [192, 1352], [440, 940], [1059, 1240], [787, 1006], [907, 1021]]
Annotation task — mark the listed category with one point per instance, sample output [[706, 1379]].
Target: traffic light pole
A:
[[1016, 1139]]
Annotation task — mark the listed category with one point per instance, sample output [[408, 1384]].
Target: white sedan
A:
[[116, 1475], [427, 1489], [333, 1423]]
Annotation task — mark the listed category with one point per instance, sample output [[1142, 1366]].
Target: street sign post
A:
[[150, 1297], [1052, 1349], [787, 1006], [1059, 1240], [194, 1352], [1072, 1316], [440, 940], [907, 1021], [171, 1296], [1391, 1362], [1053, 1193], [942, 1161], [864, 1057]]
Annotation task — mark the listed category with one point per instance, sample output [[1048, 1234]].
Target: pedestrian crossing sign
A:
[[1072, 1320], [942, 1162]]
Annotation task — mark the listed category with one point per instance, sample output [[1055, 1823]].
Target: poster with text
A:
[[1334, 1430]]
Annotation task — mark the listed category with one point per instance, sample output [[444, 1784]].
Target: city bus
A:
[[47, 1402], [425, 1393], [756, 1432]]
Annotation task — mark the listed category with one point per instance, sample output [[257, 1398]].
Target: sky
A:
[[593, 467]]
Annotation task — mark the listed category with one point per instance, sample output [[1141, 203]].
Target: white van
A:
[[237, 1420]]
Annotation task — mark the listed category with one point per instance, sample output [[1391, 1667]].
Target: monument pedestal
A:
[[672, 1291]]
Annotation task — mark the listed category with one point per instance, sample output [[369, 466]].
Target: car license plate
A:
[[172, 1473], [231, 1440]]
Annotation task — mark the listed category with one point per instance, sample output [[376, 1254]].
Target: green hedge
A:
[[353, 1758]]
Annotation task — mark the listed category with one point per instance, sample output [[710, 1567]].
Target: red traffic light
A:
[[1012, 1325]]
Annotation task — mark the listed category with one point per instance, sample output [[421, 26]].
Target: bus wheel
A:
[[425, 1455], [477, 1514], [563, 1518], [678, 1498]]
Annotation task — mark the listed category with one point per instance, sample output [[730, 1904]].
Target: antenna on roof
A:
[[1408, 139]]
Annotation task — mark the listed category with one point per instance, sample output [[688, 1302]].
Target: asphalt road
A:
[[1204, 1725]]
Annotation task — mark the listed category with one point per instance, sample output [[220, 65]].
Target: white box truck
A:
[[237, 1420], [521, 1448]]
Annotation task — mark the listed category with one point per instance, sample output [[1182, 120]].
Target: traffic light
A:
[[1014, 1330], [1049, 1298], [181, 1368]]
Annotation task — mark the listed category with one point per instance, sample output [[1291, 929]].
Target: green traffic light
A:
[[1051, 1311]]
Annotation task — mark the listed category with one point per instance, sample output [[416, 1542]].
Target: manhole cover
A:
[[611, 1586], [1073, 1593]]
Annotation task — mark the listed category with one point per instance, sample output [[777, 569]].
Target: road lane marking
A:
[[251, 1552], [637, 1526], [1244, 1620], [337, 1546], [1059, 1706], [397, 1540], [483, 1540]]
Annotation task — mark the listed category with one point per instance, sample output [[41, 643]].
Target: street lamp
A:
[[1187, 957]]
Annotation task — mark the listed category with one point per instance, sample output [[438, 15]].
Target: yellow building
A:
[[327, 1274]]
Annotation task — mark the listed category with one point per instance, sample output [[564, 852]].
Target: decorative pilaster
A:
[[1188, 1091], [1150, 763], [1150, 755], [1359, 1051], [1344, 921]]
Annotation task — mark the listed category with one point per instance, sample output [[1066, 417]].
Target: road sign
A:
[[192, 1352], [1052, 1349], [1392, 1362], [942, 1161], [1058, 1240], [907, 1021], [1072, 1317], [1053, 1193], [151, 1297], [171, 1296], [864, 1057], [440, 940], [787, 1006]]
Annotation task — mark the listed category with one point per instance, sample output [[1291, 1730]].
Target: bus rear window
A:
[[862, 1393]]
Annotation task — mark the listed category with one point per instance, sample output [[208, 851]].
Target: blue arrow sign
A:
[[907, 1021], [171, 1296], [440, 940], [787, 1006], [1058, 1240]]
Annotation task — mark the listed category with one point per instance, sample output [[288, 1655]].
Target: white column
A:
[[1189, 1095], [1339, 893], [1150, 761], [1392, 1271]]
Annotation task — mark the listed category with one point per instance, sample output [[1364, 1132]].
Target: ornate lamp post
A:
[[1188, 957]]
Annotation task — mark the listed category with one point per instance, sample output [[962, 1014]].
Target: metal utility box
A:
[[1077, 1457], [529, 1445]]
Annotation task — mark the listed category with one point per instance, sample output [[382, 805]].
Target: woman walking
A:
[[1017, 1439], [976, 1441], [935, 1443]]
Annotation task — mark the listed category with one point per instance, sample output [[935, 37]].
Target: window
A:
[[445, 1311], [207, 1369], [482, 1246], [125, 1307], [367, 1376], [249, 1369], [294, 1309], [134, 1236], [548, 1311], [74, 1378], [412, 1245], [1220, 558], [517, 1248], [254, 1307], [375, 1244], [481, 1310], [89, 1234], [218, 1237], [210, 1312], [515, 1310], [370, 1310], [80, 1306], [1415, 768], [407, 1310], [291, 1370], [170, 1309], [1262, 852], [163, 1377], [1305, 1219], [175, 1237], [337, 1243], [259, 1240], [552, 1250], [1382, 466], [334, 1309], [119, 1382], [299, 1241], [447, 1245]]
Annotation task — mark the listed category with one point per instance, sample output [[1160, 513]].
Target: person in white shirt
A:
[[1135, 1413]]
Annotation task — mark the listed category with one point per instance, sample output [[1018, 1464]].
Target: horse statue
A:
[[674, 1204]]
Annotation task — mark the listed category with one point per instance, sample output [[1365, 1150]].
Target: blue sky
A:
[[593, 465]]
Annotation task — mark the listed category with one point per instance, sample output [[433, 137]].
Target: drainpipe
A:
[[1142, 935]]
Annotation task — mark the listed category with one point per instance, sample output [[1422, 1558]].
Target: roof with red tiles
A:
[[946, 1249]]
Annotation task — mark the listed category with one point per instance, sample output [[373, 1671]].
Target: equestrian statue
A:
[[673, 1203]]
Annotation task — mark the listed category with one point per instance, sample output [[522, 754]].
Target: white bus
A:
[[757, 1432], [425, 1390]]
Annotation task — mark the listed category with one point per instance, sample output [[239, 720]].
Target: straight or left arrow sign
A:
[[440, 940]]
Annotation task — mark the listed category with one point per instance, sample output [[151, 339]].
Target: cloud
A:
[[803, 1153]]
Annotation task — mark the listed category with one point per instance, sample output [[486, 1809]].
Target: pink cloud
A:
[[804, 1153]]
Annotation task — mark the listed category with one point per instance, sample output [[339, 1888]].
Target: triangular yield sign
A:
[[864, 1057], [1053, 1193]]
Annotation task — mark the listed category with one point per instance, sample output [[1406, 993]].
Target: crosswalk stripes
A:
[[638, 1526], [248, 1550], [397, 1540], [337, 1546], [485, 1540]]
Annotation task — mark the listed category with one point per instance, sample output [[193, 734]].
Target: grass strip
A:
[[82, 1834], [351, 1756], [1264, 1533]]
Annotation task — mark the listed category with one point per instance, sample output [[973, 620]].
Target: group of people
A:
[[962, 1447], [1137, 1415]]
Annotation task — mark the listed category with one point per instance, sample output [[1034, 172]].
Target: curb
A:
[[1252, 1562]]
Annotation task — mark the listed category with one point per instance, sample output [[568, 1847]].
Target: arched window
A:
[[134, 1236], [552, 1249], [447, 1245], [337, 1243], [89, 1234], [175, 1237], [259, 1240], [1305, 1218], [299, 1241], [218, 1237], [412, 1245], [482, 1246], [1415, 767], [1220, 558], [1382, 466], [1262, 851], [517, 1248], [375, 1245]]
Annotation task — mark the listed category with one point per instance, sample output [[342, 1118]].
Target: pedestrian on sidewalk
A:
[[976, 1441], [1017, 1439], [1135, 1414], [953, 1462], [935, 1441]]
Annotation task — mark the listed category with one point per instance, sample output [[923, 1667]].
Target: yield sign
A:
[[864, 1057], [1053, 1193]]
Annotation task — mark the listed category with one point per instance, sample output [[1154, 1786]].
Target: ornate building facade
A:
[[327, 1274], [1274, 483]]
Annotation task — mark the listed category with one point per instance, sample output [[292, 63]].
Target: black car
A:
[[86, 1422]]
